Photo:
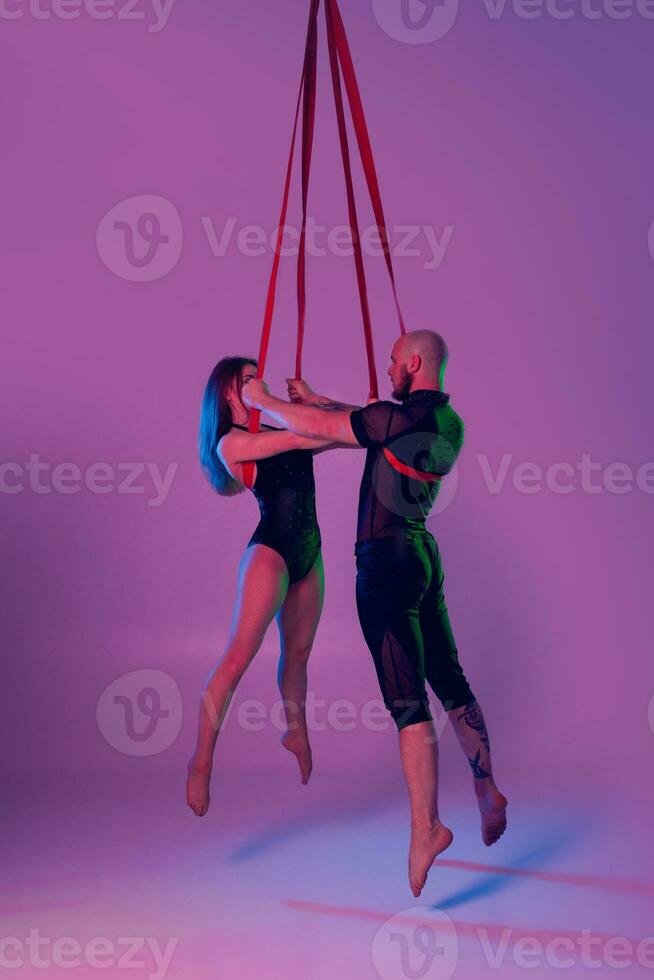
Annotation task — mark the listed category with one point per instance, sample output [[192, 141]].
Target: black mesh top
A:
[[423, 432]]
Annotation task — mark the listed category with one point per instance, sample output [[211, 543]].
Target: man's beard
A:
[[403, 387]]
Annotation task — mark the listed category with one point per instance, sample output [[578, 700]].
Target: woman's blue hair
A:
[[216, 419]]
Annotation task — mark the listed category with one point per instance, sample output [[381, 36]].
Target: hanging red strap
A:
[[339, 49], [336, 28], [308, 124], [308, 88], [339, 53], [351, 202]]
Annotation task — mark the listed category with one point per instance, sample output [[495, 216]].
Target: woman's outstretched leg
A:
[[263, 583], [298, 621]]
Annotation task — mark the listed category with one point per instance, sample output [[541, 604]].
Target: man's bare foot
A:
[[197, 787], [297, 742], [492, 806], [426, 845]]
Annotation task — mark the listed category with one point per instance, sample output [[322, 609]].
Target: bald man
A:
[[411, 444]]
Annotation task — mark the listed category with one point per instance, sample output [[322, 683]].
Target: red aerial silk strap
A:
[[339, 53], [338, 39], [405, 470], [338, 44], [308, 89], [308, 124], [351, 201]]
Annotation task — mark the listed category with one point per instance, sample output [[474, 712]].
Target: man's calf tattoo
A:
[[477, 769], [474, 719]]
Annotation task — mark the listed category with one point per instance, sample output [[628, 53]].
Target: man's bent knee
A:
[[455, 704], [453, 694], [409, 712]]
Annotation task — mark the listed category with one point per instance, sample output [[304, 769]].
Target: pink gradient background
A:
[[533, 140]]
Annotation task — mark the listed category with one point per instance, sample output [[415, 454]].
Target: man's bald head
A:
[[418, 360], [426, 344]]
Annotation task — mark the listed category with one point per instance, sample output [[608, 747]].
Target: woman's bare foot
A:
[[297, 742], [197, 787], [492, 806], [425, 847]]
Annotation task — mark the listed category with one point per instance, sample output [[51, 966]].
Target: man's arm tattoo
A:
[[337, 407]]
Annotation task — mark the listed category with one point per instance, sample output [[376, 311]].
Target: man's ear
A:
[[415, 363]]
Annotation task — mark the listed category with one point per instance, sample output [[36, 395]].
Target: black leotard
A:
[[286, 494]]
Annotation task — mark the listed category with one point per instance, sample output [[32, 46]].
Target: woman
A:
[[281, 572]]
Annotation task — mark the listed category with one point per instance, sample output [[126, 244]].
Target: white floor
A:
[[248, 893]]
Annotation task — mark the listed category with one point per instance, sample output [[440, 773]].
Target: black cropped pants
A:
[[402, 611]]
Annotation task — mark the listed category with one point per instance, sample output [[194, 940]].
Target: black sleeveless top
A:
[[286, 493]]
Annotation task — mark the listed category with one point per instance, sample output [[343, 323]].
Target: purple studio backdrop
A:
[[515, 159]]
